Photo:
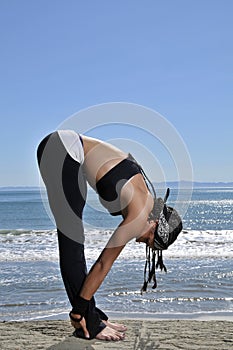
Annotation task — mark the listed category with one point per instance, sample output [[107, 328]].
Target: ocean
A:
[[199, 278]]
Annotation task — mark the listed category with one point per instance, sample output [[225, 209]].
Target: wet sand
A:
[[142, 334]]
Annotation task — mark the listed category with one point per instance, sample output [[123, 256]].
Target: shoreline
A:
[[201, 316], [142, 334]]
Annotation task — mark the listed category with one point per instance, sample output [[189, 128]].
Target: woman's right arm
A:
[[134, 224]]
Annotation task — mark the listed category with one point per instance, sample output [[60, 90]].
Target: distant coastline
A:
[[195, 184], [171, 184]]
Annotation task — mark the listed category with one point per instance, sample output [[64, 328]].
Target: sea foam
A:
[[39, 245]]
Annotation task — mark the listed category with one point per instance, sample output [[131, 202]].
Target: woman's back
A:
[[100, 157]]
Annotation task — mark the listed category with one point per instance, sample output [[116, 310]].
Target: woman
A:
[[66, 161]]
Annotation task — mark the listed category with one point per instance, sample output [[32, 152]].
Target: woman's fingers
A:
[[83, 325], [76, 325], [80, 324]]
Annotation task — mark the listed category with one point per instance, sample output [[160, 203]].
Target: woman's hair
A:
[[175, 224], [168, 228]]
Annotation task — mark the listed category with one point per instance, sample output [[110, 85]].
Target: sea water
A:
[[199, 278]]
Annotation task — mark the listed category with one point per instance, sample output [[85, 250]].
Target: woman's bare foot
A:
[[110, 334], [117, 326]]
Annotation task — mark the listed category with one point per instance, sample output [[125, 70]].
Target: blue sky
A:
[[173, 56]]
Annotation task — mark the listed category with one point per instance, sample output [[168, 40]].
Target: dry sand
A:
[[142, 334]]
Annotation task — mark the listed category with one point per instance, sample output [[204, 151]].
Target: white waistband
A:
[[73, 144]]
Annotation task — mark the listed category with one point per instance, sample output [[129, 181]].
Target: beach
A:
[[142, 334], [191, 308]]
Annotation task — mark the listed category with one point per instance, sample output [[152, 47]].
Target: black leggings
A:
[[66, 188]]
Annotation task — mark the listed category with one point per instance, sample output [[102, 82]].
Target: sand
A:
[[142, 334]]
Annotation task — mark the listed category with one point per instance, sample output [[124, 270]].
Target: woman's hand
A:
[[80, 324]]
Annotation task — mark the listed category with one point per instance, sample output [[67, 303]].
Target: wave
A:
[[41, 245], [168, 299], [21, 231]]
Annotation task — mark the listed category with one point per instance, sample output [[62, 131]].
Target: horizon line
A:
[[154, 182]]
